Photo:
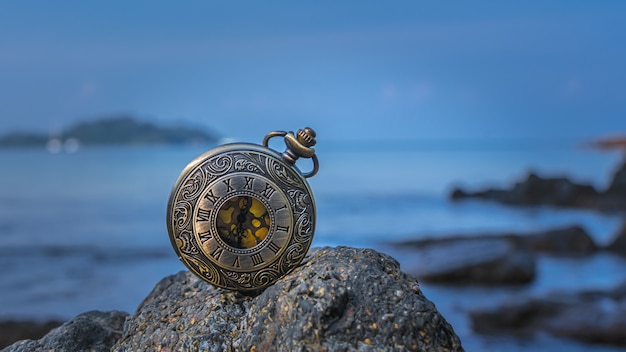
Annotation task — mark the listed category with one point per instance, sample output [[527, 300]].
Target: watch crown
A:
[[306, 136], [298, 146]]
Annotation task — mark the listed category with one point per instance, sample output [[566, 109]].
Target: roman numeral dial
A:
[[243, 222]]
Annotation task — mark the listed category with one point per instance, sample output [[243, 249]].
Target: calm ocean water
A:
[[86, 230]]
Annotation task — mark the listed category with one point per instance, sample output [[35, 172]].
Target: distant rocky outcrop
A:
[[490, 259], [118, 130], [555, 191], [339, 299], [535, 190], [590, 316]]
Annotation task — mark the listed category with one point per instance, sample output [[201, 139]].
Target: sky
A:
[[356, 70]]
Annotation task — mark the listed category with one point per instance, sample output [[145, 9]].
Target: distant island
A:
[[118, 130]]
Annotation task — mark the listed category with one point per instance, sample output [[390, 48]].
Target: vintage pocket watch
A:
[[241, 215]]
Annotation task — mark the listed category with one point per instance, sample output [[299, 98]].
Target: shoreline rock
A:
[[92, 331], [565, 241], [478, 261], [570, 240], [492, 259], [16, 330], [339, 299], [588, 316], [535, 190]]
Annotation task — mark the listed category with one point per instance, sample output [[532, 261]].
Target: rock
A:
[[617, 187], [474, 261], [556, 191], [459, 193], [536, 190], [11, 331], [339, 299], [618, 244], [92, 331], [521, 318], [506, 258], [571, 240], [592, 316], [562, 241], [488, 194], [593, 322]]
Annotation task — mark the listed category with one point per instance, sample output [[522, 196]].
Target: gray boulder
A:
[[500, 258], [570, 240], [90, 332], [339, 299], [591, 316], [495, 260]]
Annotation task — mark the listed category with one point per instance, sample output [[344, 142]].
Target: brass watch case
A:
[[203, 226]]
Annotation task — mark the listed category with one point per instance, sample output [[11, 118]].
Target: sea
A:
[[84, 228]]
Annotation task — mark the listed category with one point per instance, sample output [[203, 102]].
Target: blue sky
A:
[[350, 69]]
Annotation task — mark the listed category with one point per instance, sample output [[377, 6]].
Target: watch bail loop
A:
[[298, 146]]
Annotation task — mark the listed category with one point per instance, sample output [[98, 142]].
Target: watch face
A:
[[243, 222], [240, 217]]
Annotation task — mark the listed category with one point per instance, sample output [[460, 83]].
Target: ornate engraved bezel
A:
[[229, 171]]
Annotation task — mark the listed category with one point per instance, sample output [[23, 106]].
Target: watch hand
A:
[[242, 218]]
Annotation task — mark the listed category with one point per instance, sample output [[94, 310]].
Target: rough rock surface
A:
[[592, 316], [340, 299], [474, 261], [91, 331]]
